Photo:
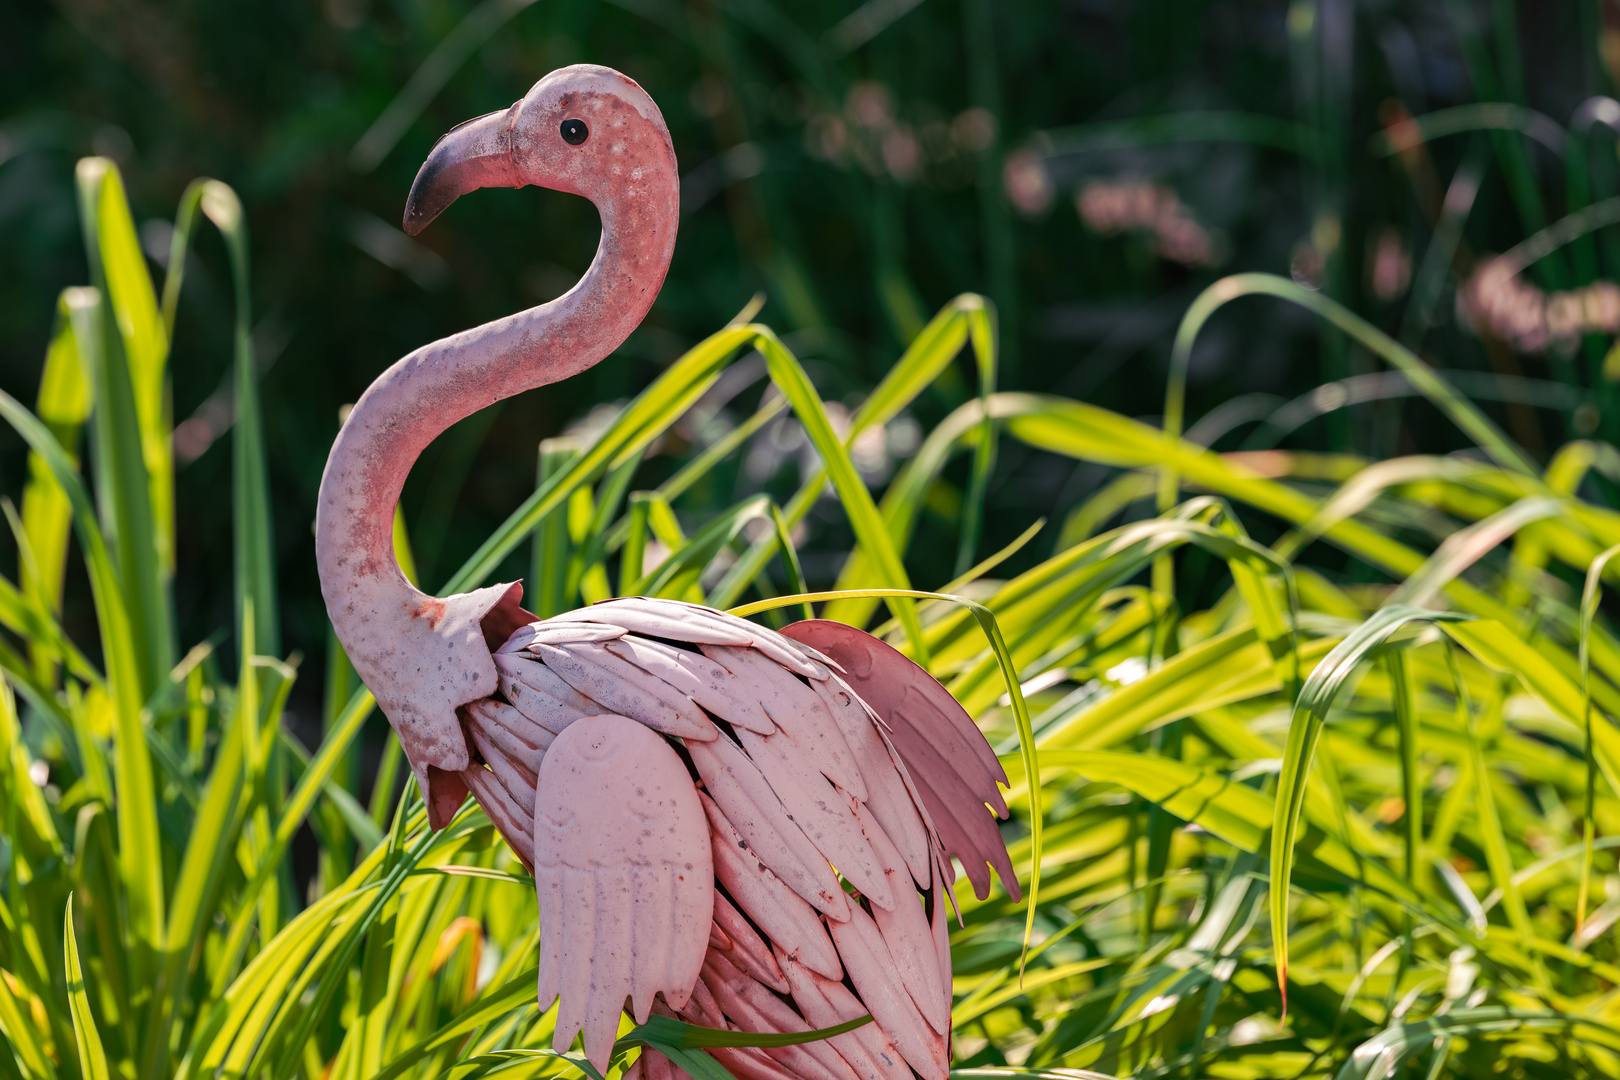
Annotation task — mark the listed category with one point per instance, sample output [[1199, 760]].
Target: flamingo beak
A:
[[472, 155]]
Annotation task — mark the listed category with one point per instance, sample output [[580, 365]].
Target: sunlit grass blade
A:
[[1590, 595], [1465, 547], [492, 1004], [963, 321], [1403, 700], [1309, 713], [64, 405], [549, 558], [92, 1058], [196, 890], [140, 860], [1461, 412], [680, 570], [870, 533], [122, 340], [1380, 1055], [294, 810], [586, 575], [300, 1021], [650, 414], [118, 267]]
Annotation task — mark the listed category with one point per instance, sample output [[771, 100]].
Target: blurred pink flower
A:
[[1115, 206], [1504, 304]]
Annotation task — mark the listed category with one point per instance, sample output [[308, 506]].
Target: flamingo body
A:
[[589, 758], [744, 829]]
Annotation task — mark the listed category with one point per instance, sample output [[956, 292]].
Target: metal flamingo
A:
[[681, 781]]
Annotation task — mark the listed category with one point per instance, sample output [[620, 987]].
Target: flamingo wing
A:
[[955, 771], [791, 775], [625, 878]]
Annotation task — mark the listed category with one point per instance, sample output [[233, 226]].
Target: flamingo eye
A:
[[575, 132]]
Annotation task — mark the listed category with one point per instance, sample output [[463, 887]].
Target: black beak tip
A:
[[432, 191], [425, 203]]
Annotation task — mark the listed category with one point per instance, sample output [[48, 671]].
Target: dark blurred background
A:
[[859, 163]]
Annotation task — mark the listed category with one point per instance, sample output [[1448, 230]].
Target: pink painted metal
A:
[[423, 656], [682, 782], [955, 770], [624, 874]]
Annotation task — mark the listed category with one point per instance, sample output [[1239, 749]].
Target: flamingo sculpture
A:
[[682, 782]]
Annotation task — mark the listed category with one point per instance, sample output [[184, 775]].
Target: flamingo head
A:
[[584, 129]]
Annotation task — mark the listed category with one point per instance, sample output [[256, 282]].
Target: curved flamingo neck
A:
[[431, 389], [421, 656]]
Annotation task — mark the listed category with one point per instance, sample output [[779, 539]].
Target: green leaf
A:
[[1305, 726], [648, 416], [23, 1036], [120, 340], [92, 1059], [1382, 1055], [140, 858], [870, 533], [1432, 385], [664, 1032], [491, 1004], [63, 404], [1590, 594]]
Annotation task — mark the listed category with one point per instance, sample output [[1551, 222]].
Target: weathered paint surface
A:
[[420, 655]]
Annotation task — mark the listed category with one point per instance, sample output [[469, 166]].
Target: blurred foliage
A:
[[859, 163]]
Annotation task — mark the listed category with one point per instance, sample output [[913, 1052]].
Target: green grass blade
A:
[[982, 333], [864, 519], [300, 1019], [1465, 547], [127, 488], [585, 564], [664, 1031], [680, 570], [294, 810], [1488, 818], [549, 555], [23, 1036], [64, 405], [33, 618], [491, 1004], [1404, 700], [1382, 1055], [92, 1058], [1590, 594], [142, 331], [254, 533], [1309, 713], [1433, 386], [140, 860], [196, 892], [1480, 116], [250, 480], [648, 416]]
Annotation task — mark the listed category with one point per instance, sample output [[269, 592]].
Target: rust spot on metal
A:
[[430, 608]]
